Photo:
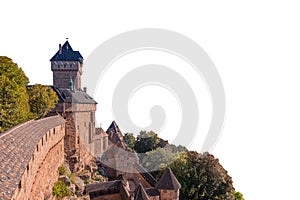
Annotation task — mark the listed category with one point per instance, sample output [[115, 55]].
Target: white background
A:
[[254, 45]]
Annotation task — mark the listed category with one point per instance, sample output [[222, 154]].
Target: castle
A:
[[30, 153]]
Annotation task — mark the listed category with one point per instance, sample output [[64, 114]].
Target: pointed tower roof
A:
[[66, 53], [168, 181], [113, 127], [114, 133], [140, 193]]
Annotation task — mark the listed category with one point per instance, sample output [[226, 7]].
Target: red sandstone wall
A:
[[84, 118], [71, 137], [109, 197], [61, 79], [154, 198], [47, 175], [169, 194], [41, 171], [100, 144]]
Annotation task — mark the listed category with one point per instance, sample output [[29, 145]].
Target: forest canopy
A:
[[201, 175], [17, 103]]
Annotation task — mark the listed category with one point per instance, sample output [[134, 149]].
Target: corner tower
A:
[[66, 65], [168, 186]]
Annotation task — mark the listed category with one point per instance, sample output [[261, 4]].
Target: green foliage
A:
[[238, 196], [146, 141], [41, 100], [60, 190], [175, 149], [201, 177], [129, 140], [14, 108], [71, 177], [98, 177], [62, 170], [88, 181], [17, 104], [158, 159]]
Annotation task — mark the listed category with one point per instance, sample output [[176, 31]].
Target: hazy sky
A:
[[255, 46]]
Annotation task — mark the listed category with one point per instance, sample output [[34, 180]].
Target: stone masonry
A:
[[30, 155], [75, 105]]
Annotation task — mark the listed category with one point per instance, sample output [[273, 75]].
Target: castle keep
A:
[[31, 153], [75, 105]]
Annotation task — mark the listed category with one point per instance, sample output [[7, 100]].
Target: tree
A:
[[41, 100], [158, 159], [14, 107], [238, 196], [202, 177], [129, 140], [174, 149], [146, 141]]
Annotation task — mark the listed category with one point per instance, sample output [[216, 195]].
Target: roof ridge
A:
[[148, 176], [168, 181], [66, 53], [140, 193]]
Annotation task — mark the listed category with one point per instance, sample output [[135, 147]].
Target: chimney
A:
[[60, 49], [85, 89]]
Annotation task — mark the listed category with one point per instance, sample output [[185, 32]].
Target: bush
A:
[[88, 181], [60, 190], [238, 196], [98, 177], [62, 170], [71, 177]]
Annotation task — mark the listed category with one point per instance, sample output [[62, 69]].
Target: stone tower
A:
[[168, 186], [66, 64], [75, 105]]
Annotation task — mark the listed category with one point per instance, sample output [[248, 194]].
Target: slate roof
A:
[[76, 96], [67, 54], [168, 181], [146, 175], [115, 135], [140, 193], [109, 185], [152, 192], [17, 146]]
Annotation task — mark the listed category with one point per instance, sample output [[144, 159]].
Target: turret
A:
[[168, 186]]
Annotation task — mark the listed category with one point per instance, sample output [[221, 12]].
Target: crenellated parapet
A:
[[30, 155]]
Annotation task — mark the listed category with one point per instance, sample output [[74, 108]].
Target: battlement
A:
[[25, 151]]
